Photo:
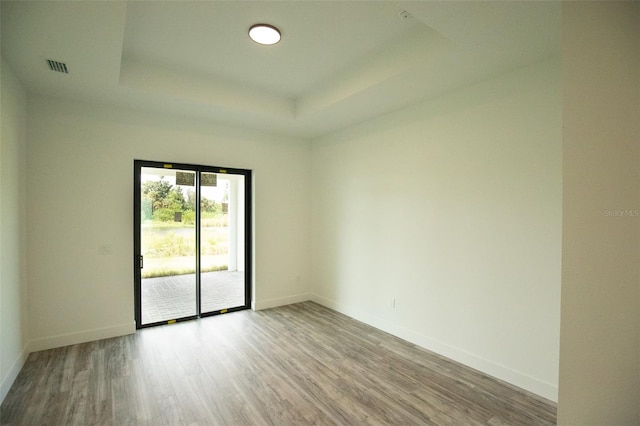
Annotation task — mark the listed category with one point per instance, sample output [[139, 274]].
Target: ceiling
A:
[[339, 62]]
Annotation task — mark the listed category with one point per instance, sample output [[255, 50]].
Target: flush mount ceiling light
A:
[[264, 34]]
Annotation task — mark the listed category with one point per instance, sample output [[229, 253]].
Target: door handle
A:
[[141, 261]]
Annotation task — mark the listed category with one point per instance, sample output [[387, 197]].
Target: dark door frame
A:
[[137, 252]]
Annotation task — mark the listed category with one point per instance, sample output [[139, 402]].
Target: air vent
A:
[[57, 66]]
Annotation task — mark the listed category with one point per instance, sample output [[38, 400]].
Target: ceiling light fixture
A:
[[264, 34]]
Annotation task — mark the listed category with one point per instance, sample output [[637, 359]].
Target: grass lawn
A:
[[180, 265]]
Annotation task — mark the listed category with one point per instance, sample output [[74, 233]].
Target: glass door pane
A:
[[167, 244], [222, 241], [192, 241]]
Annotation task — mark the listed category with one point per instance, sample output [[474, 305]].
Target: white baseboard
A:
[[81, 337], [10, 377], [280, 301], [516, 378]]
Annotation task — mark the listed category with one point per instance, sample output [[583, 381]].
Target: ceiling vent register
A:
[[57, 66]]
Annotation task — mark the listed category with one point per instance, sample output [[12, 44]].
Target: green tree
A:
[[207, 205], [164, 199], [175, 200], [191, 199], [157, 192]]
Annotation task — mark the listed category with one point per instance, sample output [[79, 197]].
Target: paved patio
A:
[[167, 298]]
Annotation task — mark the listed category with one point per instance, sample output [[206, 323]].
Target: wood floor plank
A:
[[301, 364]]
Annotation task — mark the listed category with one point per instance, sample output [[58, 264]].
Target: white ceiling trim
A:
[[110, 47]]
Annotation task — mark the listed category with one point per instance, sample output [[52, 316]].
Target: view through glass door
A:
[[192, 241]]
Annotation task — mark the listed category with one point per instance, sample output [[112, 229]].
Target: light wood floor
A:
[[294, 365]]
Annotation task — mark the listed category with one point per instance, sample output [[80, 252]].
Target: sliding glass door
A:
[[192, 241]]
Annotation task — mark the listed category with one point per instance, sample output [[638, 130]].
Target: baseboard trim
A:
[[81, 337], [12, 374], [516, 378], [280, 301]]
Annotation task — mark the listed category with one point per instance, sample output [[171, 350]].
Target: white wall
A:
[[80, 183], [600, 333], [13, 309], [453, 209]]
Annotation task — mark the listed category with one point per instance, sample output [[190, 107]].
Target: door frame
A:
[[137, 222]]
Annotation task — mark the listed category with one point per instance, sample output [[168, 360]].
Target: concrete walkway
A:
[[167, 298]]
